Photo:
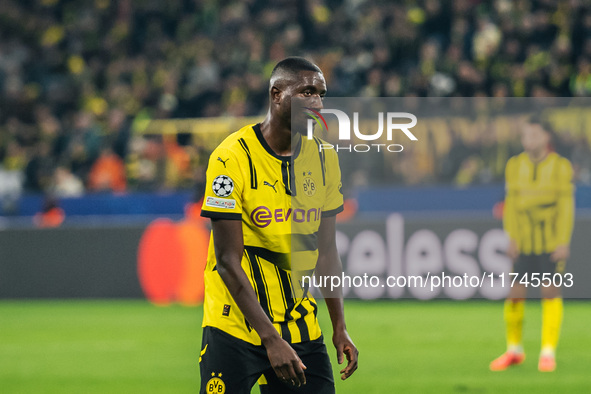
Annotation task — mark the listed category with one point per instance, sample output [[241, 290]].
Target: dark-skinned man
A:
[[257, 325]]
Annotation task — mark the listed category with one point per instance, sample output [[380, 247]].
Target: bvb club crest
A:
[[309, 185], [216, 384]]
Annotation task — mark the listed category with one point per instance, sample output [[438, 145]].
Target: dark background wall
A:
[[101, 262], [70, 262]]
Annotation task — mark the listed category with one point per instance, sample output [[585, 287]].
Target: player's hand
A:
[[561, 252], [513, 250], [285, 362], [345, 348]]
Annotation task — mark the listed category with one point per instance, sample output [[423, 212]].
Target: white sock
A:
[[515, 349], [547, 351]]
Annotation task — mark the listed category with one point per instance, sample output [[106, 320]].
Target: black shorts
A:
[[232, 366], [538, 264]]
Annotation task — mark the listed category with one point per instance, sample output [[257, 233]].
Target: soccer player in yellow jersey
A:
[[257, 325], [538, 218]]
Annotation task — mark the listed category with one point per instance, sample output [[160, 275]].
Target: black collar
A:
[[263, 142]]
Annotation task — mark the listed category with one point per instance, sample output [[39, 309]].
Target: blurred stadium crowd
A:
[[79, 80]]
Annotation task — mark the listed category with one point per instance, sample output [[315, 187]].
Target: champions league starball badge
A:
[[223, 186]]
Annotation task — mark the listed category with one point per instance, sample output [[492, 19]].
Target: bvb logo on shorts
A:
[[309, 186], [216, 384]]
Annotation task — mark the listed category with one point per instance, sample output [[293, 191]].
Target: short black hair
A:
[[544, 123], [293, 65]]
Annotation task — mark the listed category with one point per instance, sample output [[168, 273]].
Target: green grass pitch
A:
[[406, 347]]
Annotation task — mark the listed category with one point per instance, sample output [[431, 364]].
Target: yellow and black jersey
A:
[[280, 201], [539, 203]]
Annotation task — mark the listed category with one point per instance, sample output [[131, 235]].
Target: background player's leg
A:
[[513, 313], [514, 310], [227, 364], [552, 313]]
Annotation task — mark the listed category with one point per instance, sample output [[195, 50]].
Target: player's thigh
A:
[[520, 267], [551, 292], [554, 271], [529, 270], [517, 292], [228, 364], [319, 377]]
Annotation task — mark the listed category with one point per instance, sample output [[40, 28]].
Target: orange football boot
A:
[[506, 360], [547, 364]]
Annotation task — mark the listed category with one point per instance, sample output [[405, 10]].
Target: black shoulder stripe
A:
[[288, 178], [253, 171], [322, 161]]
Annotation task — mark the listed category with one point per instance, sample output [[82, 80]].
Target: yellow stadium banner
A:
[[207, 132]]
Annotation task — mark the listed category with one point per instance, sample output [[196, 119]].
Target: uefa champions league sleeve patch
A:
[[223, 186], [222, 203]]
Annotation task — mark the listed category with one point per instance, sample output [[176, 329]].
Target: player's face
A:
[[310, 88], [534, 138]]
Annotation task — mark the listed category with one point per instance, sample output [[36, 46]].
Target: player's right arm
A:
[[223, 204], [565, 210], [509, 210], [229, 247]]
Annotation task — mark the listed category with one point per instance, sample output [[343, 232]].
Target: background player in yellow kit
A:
[[255, 323], [538, 218]]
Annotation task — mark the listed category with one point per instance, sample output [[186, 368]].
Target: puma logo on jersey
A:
[[223, 161], [273, 185]]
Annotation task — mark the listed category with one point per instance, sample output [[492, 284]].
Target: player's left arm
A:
[[329, 263], [565, 211], [509, 210]]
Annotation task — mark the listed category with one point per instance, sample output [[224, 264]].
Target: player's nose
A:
[[315, 102]]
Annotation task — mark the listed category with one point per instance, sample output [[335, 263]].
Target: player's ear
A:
[[275, 95]]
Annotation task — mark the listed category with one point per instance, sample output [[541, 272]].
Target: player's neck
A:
[[537, 157], [278, 137]]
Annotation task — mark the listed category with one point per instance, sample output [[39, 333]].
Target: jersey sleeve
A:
[[223, 187], [509, 210], [566, 203], [334, 196]]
